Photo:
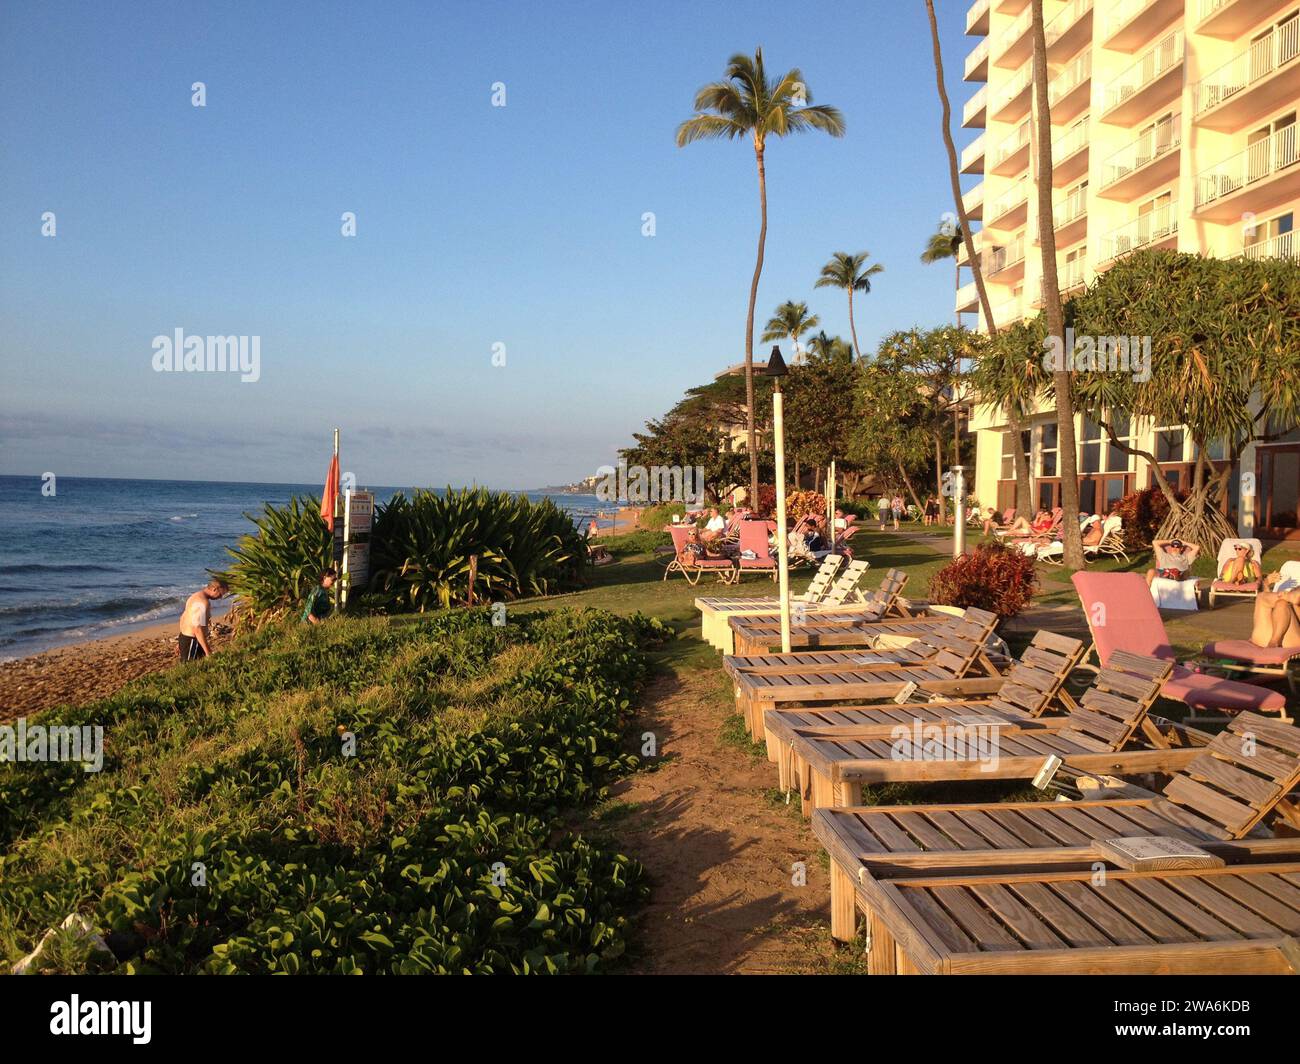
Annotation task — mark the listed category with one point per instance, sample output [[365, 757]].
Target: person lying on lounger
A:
[[1173, 559], [1277, 616], [1241, 567], [1039, 526]]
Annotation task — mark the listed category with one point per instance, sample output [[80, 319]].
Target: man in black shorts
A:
[[195, 619]]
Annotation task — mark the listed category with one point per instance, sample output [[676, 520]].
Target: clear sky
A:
[[476, 225]]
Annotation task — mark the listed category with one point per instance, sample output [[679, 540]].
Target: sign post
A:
[[358, 515]]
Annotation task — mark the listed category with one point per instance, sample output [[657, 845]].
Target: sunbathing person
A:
[[1039, 526], [1241, 568], [714, 529], [1277, 617], [1173, 559]]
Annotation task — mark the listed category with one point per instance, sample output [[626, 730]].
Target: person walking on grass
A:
[[319, 605], [196, 618], [882, 510], [896, 505]]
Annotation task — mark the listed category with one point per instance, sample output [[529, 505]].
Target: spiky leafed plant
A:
[[790, 321], [749, 103], [850, 273], [277, 565]]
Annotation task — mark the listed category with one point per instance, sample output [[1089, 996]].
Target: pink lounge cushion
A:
[[1201, 691], [1245, 650], [757, 563], [1245, 589]]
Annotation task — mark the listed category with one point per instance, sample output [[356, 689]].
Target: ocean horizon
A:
[[106, 555]]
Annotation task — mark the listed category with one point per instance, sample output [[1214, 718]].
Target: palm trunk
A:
[[938, 477], [853, 329], [1067, 454], [749, 331]]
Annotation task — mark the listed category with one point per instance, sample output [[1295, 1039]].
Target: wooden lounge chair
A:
[[758, 633], [691, 566], [1231, 909], [833, 764], [936, 662], [1122, 615], [842, 596], [1220, 792], [1033, 685]]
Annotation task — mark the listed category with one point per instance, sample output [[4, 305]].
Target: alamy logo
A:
[[645, 484], [56, 742], [102, 1017], [946, 742], [1098, 354], [179, 353]]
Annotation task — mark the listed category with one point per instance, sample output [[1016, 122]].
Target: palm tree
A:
[[830, 348], [846, 271], [1024, 492], [944, 243], [790, 322], [1067, 454], [748, 103]]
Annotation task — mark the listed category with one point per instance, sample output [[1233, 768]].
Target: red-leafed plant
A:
[[993, 577], [1143, 513]]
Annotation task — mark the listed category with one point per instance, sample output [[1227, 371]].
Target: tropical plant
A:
[[749, 103], [993, 577], [790, 321], [850, 273], [278, 564], [422, 546]]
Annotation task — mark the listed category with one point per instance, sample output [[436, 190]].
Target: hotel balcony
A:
[[1157, 228], [977, 18], [1069, 281], [1149, 161], [1269, 168], [972, 156], [1070, 156], [977, 63], [1012, 100], [1070, 216], [1007, 312], [1010, 210], [1229, 19], [1150, 83], [1135, 22], [1006, 264], [1069, 30], [1015, 43], [1068, 93], [975, 113], [1254, 83], [1011, 7], [973, 200], [1284, 246], [1011, 156], [968, 298]]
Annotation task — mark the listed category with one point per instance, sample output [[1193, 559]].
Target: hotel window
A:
[[1047, 449], [1265, 55], [1272, 239], [1169, 445], [1009, 453], [1117, 459], [1271, 147]]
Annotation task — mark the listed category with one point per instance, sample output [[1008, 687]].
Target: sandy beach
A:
[[83, 672]]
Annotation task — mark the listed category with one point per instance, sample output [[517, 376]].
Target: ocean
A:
[[102, 556]]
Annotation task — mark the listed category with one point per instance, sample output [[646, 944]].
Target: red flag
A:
[[330, 494]]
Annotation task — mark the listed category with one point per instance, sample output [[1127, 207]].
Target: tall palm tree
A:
[[847, 271], [1067, 452], [944, 243], [1015, 423], [830, 348], [790, 322], [746, 102]]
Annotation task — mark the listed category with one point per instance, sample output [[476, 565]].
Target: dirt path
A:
[[719, 849]]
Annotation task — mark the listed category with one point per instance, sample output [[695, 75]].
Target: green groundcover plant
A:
[[231, 830]]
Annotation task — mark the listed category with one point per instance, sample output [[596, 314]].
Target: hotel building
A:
[[1173, 126]]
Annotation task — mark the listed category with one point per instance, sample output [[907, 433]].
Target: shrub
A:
[[802, 503], [276, 566], [994, 577], [1143, 512], [656, 518]]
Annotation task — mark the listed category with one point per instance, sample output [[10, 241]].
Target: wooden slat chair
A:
[[1032, 686], [937, 663], [842, 596], [761, 633], [1220, 792], [832, 765]]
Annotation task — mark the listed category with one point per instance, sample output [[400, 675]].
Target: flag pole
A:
[[337, 561]]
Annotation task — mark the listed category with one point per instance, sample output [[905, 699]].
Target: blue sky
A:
[[476, 225]]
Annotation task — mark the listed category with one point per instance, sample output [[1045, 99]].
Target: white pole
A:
[[830, 504], [782, 545], [959, 511]]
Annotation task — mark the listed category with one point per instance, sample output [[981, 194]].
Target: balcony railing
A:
[[1013, 88], [1148, 147], [978, 10], [1009, 145], [1066, 18], [978, 55], [995, 260], [1282, 246], [1155, 62], [1254, 163], [1257, 62], [1009, 200], [972, 151], [1068, 143], [1209, 7], [1069, 276], [1075, 74], [1125, 12], [1146, 229], [975, 105], [1015, 31], [1072, 207]]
